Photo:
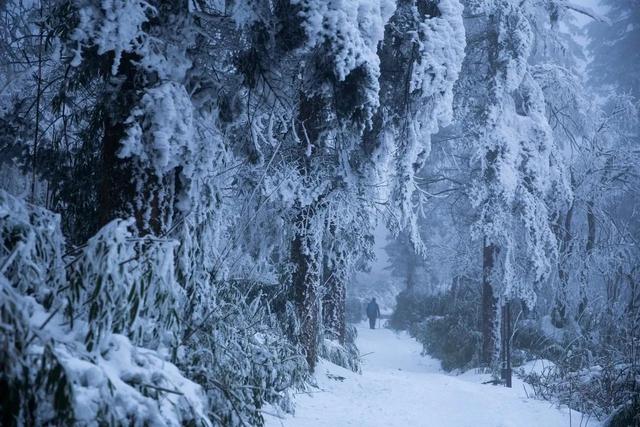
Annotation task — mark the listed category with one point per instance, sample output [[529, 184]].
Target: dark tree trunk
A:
[[117, 192], [305, 287], [308, 261], [334, 302], [334, 305], [505, 333], [591, 242], [489, 306], [125, 189], [411, 273], [560, 314], [591, 228]]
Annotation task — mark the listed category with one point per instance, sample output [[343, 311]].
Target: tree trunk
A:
[[489, 306], [505, 332], [334, 305], [411, 274], [334, 288], [305, 287], [34, 172], [306, 251], [591, 228], [126, 190], [117, 192], [559, 317], [591, 241]]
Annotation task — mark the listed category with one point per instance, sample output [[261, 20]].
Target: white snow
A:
[[399, 387], [111, 26]]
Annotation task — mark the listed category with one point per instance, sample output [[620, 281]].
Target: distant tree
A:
[[520, 173], [405, 263]]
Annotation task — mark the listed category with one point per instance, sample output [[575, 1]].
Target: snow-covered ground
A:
[[399, 387]]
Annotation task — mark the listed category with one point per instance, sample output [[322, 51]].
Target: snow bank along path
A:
[[399, 387]]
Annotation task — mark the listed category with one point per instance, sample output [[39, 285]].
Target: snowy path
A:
[[399, 387]]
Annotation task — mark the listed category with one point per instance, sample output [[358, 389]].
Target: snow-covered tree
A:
[[217, 170]]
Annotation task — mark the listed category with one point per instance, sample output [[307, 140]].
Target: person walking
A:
[[373, 313]]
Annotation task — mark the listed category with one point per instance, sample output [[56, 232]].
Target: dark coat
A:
[[373, 311]]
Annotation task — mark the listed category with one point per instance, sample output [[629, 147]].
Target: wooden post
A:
[[506, 372], [489, 308]]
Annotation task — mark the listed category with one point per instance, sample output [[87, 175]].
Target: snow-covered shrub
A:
[[33, 382], [538, 338], [32, 246], [242, 358], [412, 307], [48, 373], [603, 391], [595, 364], [449, 339], [123, 284], [445, 324], [345, 355], [530, 342], [627, 414]]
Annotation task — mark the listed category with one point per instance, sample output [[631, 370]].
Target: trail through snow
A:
[[400, 387]]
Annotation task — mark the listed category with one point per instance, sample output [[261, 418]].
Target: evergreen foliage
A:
[[187, 189]]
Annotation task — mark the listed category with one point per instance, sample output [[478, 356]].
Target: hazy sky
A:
[[593, 4], [378, 271]]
